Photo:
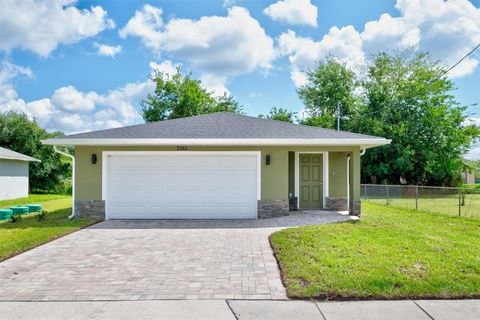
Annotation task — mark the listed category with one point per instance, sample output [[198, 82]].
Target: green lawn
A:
[[28, 233], [390, 253]]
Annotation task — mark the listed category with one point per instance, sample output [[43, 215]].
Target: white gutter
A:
[[362, 152], [363, 143], [73, 178]]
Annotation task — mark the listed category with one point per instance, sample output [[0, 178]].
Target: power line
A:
[[457, 63]]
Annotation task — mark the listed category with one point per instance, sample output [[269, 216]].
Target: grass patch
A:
[[390, 253], [35, 198], [28, 233]]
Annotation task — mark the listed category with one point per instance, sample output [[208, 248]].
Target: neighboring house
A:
[[13, 174], [216, 166], [468, 175]]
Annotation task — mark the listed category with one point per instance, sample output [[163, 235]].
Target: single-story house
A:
[[216, 166], [13, 174]]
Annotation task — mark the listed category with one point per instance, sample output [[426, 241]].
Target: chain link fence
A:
[[450, 201]]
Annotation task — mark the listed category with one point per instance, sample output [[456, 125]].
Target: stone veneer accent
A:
[[90, 208], [266, 209], [336, 203], [272, 209], [355, 207]]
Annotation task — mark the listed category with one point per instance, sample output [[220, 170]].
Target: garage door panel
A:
[[182, 187], [127, 210]]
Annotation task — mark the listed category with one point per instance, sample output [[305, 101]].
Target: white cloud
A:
[[446, 29], [146, 24], [71, 110], [344, 43], [8, 72], [215, 84], [387, 33], [70, 99], [293, 12], [218, 47], [40, 26], [167, 67], [106, 50]]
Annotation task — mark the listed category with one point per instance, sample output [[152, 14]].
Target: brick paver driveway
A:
[[165, 259]]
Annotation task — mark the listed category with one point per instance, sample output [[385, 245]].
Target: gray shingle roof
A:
[[220, 125], [12, 155]]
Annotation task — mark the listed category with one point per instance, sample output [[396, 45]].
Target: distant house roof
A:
[[12, 155], [221, 128]]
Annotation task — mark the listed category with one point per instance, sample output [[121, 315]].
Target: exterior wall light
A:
[[94, 158], [267, 159]]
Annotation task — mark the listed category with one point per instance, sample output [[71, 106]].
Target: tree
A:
[[279, 114], [178, 96], [20, 134], [330, 88], [225, 103], [408, 98]]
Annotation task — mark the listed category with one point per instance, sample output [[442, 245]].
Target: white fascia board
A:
[[363, 143], [27, 159]]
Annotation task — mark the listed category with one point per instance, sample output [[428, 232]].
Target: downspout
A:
[[73, 178]]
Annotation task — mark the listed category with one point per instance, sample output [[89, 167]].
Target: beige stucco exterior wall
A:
[[355, 175], [337, 174], [275, 177]]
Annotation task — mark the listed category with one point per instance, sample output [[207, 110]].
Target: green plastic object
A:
[[5, 214], [19, 210], [34, 207]]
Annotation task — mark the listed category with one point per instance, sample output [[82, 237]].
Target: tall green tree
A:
[[330, 89], [408, 98], [280, 114], [20, 134], [179, 95]]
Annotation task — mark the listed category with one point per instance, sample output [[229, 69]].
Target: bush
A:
[[42, 215], [16, 218]]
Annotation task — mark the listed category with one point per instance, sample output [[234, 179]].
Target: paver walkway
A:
[[146, 260]]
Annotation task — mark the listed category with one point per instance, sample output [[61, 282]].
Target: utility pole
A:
[[338, 117]]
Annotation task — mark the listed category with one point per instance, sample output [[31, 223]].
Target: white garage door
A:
[[182, 186]]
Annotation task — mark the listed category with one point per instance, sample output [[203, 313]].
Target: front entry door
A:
[[311, 181]]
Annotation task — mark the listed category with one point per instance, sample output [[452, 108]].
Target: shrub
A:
[[42, 215], [16, 217]]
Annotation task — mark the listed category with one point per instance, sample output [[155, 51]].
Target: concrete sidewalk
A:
[[243, 310]]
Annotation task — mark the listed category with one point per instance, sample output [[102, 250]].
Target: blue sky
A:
[[77, 66]]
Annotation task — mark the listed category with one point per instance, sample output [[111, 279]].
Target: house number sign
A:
[[182, 148]]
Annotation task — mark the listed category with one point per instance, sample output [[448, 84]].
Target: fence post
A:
[[387, 194], [459, 203], [365, 193], [416, 197]]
